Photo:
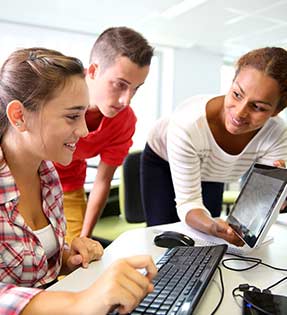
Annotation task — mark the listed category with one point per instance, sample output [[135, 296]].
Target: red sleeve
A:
[[121, 140]]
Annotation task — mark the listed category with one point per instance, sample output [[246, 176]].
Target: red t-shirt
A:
[[112, 140]]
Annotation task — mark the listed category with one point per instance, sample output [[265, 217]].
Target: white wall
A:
[[16, 36], [195, 72]]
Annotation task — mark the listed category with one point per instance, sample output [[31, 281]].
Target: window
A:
[[226, 77], [146, 104]]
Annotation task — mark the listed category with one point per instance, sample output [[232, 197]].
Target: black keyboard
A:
[[183, 275]]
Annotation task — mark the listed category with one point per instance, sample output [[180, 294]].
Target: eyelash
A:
[[255, 107], [120, 85], [73, 117], [236, 95], [123, 86], [258, 108]]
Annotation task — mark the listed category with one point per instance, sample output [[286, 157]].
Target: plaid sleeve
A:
[[13, 299]]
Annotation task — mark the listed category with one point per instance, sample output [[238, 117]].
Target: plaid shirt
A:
[[23, 263]]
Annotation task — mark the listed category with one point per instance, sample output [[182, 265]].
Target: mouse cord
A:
[[222, 292]]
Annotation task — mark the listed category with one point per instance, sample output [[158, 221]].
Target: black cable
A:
[[235, 295], [245, 287], [256, 261], [222, 292], [276, 283]]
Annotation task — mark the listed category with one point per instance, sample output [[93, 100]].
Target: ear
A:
[[15, 114], [92, 70]]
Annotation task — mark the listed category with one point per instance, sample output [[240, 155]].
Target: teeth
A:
[[236, 121], [71, 145]]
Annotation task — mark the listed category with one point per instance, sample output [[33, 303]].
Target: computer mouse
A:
[[171, 239]]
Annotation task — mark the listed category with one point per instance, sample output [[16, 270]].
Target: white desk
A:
[[92, 173], [140, 241]]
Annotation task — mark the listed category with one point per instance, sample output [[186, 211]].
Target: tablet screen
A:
[[256, 203]]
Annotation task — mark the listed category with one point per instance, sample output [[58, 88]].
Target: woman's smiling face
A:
[[250, 102], [57, 127]]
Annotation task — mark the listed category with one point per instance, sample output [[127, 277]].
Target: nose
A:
[[125, 98], [241, 110], [82, 129]]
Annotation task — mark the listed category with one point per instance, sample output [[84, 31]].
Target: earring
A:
[[17, 124]]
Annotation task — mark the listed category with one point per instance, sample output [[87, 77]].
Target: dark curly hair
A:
[[273, 62]]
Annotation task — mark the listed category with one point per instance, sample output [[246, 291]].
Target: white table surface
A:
[[140, 241]]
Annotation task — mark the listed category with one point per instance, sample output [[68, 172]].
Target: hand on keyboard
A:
[[123, 286], [184, 273]]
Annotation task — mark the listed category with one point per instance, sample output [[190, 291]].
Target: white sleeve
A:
[[278, 148], [185, 168]]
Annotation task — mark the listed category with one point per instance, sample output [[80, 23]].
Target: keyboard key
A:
[[184, 273]]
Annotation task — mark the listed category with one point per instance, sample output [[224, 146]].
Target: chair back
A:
[[130, 194]]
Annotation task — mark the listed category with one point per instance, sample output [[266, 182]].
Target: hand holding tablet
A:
[[258, 203]]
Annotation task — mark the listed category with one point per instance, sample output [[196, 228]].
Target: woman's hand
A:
[[83, 250], [202, 221], [279, 163], [221, 229], [120, 287]]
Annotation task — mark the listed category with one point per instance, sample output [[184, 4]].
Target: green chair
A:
[[131, 212]]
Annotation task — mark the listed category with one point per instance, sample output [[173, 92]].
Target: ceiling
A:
[[227, 27]]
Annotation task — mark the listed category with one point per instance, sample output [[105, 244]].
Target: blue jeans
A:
[[158, 196]]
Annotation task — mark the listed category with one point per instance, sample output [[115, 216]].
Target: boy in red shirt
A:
[[119, 65]]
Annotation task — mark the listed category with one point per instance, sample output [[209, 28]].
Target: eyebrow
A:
[[76, 108], [240, 88], [124, 80], [259, 101]]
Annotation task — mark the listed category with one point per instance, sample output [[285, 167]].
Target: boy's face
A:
[[111, 89]]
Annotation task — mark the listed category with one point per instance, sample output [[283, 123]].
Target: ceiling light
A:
[[235, 19], [182, 7]]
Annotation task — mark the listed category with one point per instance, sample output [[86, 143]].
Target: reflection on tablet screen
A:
[[255, 205]]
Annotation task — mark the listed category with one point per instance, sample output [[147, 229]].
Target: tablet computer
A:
[[258, 203]]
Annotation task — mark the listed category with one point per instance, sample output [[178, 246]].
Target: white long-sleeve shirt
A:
[[186, 142]]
